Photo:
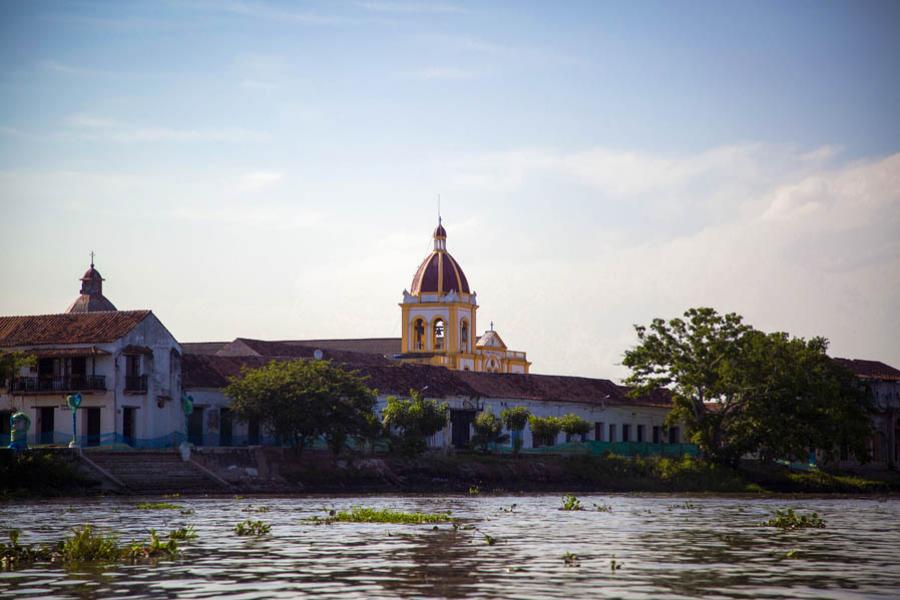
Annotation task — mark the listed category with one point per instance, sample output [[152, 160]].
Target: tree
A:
[[301, 400], [515, 418], [10, 363], [572, 424], [488, 430], [544, 430], [413, 419], [740, 390]]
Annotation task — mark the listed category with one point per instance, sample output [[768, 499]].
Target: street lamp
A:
[[74, 401]]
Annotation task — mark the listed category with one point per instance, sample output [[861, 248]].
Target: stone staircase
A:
[[152, 471]]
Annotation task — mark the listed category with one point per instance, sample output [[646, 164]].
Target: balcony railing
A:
[[71, 383], [135, 383]]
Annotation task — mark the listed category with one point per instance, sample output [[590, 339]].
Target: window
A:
[[418, 335], [640, 433], [626, 433], [673, 435], [598, 431], [656, 434], [612, 432], [464, 336], [439, 334]]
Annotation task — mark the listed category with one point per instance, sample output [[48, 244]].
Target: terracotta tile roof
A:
[[249, 347], [382, 346], [396, 378], [202, 347], [869, 369], [68, 328]]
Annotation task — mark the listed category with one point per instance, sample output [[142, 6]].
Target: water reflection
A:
[[670, 548]]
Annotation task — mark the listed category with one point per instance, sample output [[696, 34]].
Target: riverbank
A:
[[267, 470]]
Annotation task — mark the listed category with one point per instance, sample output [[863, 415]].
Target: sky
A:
[[271, 169]]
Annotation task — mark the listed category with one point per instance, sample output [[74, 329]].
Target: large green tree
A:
[[301, 400], [739, 390]]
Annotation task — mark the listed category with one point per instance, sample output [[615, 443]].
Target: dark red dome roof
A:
[[440, 232], [439, 273]]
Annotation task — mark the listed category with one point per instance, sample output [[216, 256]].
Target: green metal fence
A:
[[619, 448]]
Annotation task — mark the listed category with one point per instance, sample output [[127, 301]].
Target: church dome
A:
[[439, 273], [91, 298]]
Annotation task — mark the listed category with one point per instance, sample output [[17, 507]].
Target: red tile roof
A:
[[68, 328], [205, 371], [246, 346], [869, 369], [382, 346]]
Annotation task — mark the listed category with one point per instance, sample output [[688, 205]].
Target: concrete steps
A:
[[152, 471]]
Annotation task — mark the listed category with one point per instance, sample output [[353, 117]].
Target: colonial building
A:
[[125, 364], [882, 383]]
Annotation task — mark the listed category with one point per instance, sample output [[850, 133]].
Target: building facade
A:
[[125, 364]]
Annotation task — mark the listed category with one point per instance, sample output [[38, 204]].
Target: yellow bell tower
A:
[[439, 311]]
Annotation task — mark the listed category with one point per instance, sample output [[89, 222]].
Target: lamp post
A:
[[74, 401]]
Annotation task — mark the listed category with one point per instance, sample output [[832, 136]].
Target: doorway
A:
[[92, 424], [128, 425], [225, 427], [46, 424], [195, 427], [460, 427], [253, 431]]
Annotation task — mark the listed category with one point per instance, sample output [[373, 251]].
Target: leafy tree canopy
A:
[[740, 390], [300, 400], [413, 420], [545, 429], [11, 362], [572, 424], [488, 430]]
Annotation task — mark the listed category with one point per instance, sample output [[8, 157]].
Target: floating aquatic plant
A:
[[570, 502], [256, 509], [602, 507], [474, 490], [570, 559], [183, 533], [788, 519], [614, 565], [158, 506], [512, 508], [359, 514], [252, 528]]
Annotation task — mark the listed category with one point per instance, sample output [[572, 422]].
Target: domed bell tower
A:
[[439, 311]]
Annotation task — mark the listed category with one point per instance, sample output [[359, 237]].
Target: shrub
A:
[[544, 430], [413, 419], [574, 425], [488, 430], [515, 418], [570, 502]]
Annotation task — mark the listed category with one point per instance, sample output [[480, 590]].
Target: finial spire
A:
[[439, 209], [92, 259], [492, 325]]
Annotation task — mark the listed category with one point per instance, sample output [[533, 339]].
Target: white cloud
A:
[[102, 128], [258, 180], [410, 7]]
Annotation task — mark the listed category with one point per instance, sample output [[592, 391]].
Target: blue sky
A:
[[270, 169]]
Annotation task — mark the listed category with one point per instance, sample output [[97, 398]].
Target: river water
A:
[[668, 546]]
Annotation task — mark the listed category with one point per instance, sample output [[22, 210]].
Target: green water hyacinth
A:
[[359, 514], [252, 528], [158, 506], [570, 502], [788, 519]]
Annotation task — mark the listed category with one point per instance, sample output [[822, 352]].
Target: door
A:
[[128, 425], [46, 426], [253, 432], [195, 427], [92, 423], [225, 426], [460, 424]]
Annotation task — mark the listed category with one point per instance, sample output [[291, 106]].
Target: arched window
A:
[[438, 335], [464, 336], [418, 335]]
